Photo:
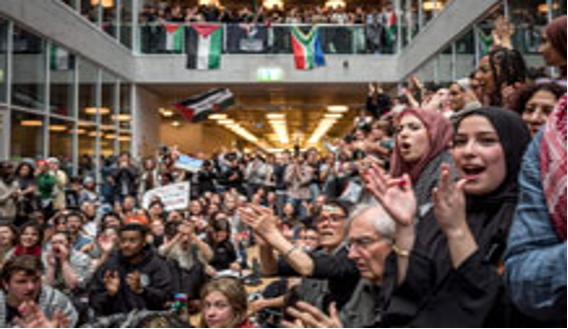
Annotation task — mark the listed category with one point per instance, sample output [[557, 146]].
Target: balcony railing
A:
[[276, 39]]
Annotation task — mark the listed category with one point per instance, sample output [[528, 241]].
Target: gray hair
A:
[[384, 225]]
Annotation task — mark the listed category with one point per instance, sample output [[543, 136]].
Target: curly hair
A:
[[525, 94], [508, 67]]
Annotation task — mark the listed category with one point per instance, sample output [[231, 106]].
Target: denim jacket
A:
[[535, 263]]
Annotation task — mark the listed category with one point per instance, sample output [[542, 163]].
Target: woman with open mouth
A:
[[446, 268], [422, 144]]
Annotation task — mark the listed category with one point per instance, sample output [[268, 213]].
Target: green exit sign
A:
[[269, 74]]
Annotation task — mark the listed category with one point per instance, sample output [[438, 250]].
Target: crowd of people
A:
[[376, 32], [212, 13], [445, 207]]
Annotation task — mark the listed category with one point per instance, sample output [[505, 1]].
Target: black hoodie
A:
[[156, 279]]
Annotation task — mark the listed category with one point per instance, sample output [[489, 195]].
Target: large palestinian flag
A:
[[308, 53], [198, 108], [204, 46]]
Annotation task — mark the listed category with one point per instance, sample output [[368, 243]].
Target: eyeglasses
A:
[[332, 219]]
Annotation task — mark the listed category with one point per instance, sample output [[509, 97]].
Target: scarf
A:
[[440, 133], [34, 251], [553, 167]]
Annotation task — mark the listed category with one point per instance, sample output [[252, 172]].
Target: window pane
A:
[[125, 117], [62, 76], [465, 55], [125, 140], [108, 142], [87, 141], [61, 139], [88, 81], [126, 23], [26, 135], [3, 59], [91, 10], [109, 22], [108, 104], [28, 89], [529, 17]]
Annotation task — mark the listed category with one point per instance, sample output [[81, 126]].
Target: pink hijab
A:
[[440, 132]]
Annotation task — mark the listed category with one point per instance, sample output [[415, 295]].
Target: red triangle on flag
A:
[[188, 113], [171, 28], [205, 30]]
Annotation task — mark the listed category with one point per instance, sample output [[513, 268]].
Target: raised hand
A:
[[106, 243], [33, 317], [260, 219], [449, 202], [395, 195], [134, 282]]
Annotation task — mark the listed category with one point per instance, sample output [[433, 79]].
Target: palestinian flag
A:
[[59, 59], [485, 42], [204, 46], [198, 108], [308, 53], [390, 27], [174, 37]]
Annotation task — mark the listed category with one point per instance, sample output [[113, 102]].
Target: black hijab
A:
[[489, 216], [436, 294]]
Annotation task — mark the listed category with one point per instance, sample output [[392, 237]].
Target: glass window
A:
[[465, 55], [3, 59], [109, 18], [109, 104], [28, 87], [91, 10], [125, 116], [62, 76], [125, 140], [26, 140], [87, 138], [529, 17], [4, 127], [88, 83], [108, 143], [410, 20], [61, 139], [126, 23], [445, 66]]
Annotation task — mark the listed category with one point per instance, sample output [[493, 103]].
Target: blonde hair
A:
[[236, 295]]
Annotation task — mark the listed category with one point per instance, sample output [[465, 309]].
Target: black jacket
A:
[[156, 279]]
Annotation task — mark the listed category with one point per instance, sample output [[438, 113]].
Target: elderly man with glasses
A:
[[331, 263]]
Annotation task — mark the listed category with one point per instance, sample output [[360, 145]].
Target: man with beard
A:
[[134, 278]]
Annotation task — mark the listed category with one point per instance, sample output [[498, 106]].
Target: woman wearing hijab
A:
[[535, 265], [422, 144], [445, 270], [553, 46]]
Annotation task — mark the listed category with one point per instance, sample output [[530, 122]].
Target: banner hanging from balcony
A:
[[198, 108], [308, 53], [174, 37], [204, 46]]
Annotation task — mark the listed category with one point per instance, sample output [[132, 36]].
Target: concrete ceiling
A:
[[303, 104]]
